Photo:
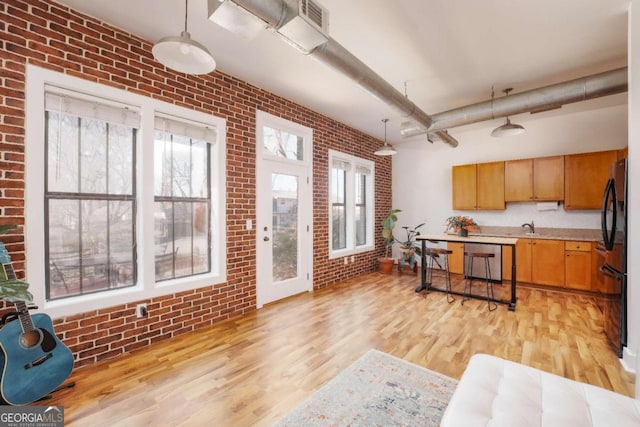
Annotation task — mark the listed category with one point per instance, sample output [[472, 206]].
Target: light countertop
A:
[[580, 234]]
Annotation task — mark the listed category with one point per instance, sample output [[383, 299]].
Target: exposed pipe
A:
[[275, 12], [541, 99]]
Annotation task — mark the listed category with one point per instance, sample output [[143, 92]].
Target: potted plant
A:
[[388, 223], [461, 224], [11, 289], [409, 248]]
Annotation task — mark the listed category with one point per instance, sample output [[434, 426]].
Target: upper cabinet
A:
[[464, 184], [478, 186], [585, 177], [539, 179]]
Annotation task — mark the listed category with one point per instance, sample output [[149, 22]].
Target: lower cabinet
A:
[[559, 263], [547, 262], [456, 259], [577, 261], [523, 261]]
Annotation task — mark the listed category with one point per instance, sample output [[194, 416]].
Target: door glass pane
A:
[[279, 143], [284, 194]]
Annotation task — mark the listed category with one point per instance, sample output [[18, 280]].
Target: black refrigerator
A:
[[614, 235]]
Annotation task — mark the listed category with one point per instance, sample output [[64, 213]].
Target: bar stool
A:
[[444, 253], [469, 278]]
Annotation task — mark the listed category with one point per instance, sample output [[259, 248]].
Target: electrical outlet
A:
[[141, 310], [353, 258], [346, 260]]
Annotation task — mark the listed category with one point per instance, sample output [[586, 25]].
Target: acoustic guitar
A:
[[34, 361]]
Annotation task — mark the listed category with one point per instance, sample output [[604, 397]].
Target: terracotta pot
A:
[[386, 265]]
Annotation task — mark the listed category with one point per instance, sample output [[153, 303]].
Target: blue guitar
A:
[[34, 361]]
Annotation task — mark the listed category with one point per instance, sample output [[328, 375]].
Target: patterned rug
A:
[[377, 390]]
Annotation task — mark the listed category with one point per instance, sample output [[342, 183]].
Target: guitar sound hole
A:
[[31, 338]]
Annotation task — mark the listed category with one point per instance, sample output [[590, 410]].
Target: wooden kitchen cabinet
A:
[[478, 186], [577, 264], [586, 176], [547, 262], [464, 184], [539, 179], [456, 259], [523, 261]]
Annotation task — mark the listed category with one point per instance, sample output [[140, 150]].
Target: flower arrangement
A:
[[458, 223]]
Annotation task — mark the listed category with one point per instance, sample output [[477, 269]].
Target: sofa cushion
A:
[[498, 392]]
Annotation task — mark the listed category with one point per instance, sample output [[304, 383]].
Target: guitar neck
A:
[[21, 306]]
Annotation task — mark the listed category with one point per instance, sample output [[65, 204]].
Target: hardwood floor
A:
[[253, 370]]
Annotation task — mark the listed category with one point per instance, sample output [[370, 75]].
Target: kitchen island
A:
[[486, 240]]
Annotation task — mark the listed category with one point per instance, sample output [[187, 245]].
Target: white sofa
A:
[[496, 392]]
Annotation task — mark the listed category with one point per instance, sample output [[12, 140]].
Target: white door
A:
[[284, 254]]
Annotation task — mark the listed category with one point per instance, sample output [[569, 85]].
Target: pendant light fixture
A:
[[387, 149], [183, 54], [507, 129]]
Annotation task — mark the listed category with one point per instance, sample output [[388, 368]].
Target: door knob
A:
[[265, 238]]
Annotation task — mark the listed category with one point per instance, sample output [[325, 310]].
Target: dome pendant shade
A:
[[507, 129], [385, 150], [184, 54]]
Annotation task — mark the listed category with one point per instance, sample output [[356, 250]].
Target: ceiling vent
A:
[[309, 28]]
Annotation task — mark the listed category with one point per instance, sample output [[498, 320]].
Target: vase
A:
[[463, 232]]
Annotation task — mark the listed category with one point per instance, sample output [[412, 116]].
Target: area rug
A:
[[376, 390]]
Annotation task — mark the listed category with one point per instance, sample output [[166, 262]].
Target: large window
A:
[[131, 202], [90, 196], [351, 188], [181, 198]]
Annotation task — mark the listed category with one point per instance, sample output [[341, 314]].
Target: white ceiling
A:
[[448, 53]]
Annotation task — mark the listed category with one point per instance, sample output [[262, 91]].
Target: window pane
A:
[[93, 158], [338, 208], [162, 164], [90, 246], [120, 159], [199, 169], [182, 208], [62, 135], [201, 226], [361, 209], [181, 166], [182, 239], [284, 190], [338, 179], [339, 224], [164, 249], [282, 144]]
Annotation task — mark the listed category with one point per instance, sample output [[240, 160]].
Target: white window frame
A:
[[146, 286], [354, 163]]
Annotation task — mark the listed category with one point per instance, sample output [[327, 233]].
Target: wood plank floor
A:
[[253, 370]]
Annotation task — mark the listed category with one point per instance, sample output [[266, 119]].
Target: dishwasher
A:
[[495, 263]]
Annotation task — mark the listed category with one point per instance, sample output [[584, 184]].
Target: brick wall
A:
[[53, 36]]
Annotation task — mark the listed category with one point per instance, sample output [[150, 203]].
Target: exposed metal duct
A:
[[541, 99], [276, 13]]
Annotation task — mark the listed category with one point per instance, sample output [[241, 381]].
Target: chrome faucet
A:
[[532, 228]]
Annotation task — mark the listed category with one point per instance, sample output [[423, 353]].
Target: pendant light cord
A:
[[186, 8]]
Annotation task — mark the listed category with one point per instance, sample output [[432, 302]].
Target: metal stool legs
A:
[[491, 304], [433, 253], [447, 278]]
